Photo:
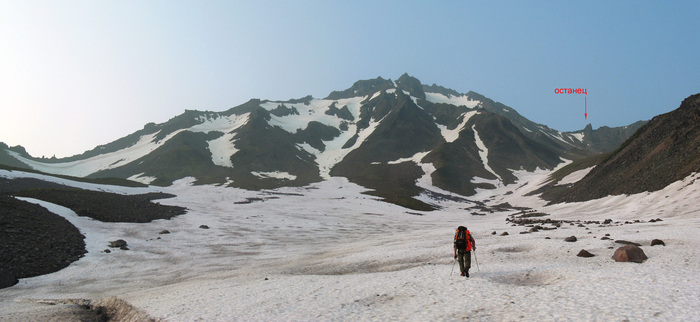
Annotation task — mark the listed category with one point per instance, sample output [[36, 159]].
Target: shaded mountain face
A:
[[397, 138], [665, 150]]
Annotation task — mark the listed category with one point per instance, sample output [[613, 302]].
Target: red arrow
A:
[[585, 107]]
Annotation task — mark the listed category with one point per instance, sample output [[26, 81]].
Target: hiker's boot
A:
[[462, 274], [467, 274]]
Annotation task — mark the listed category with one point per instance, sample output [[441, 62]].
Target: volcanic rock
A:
[[657, 242], [7, 279], [117, 243], [629, 253], [584, 253], [570, 239]]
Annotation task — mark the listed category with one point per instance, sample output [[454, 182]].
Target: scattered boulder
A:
[[124, 248], [607, 221], [570, 239], [625, 242], [657, 242], [164, 231], [605, 238], [7, 279], [107, 251], [584, 253], [117, 243], [493, 233], [629, 253], [505, 233], [204, 227]]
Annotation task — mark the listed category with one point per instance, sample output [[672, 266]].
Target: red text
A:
[[571, 91]]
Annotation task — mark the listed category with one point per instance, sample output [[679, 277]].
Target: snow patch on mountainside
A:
[[275, 175], [82, 168], [142, 178], [462, 100], [484, 153], [558, 136], [575, 176], [220, 123], [415, 158], [452, 135], [314, 111], [222, 149], [334, 152], [578, 136]]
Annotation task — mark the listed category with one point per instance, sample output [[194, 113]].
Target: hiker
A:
[[464, 243]]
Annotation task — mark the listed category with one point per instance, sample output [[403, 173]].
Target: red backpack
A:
[[462, 239]]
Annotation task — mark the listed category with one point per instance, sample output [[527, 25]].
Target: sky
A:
[[77, 74]]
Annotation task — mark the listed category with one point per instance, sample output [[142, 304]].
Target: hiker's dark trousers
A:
[[465, 260]]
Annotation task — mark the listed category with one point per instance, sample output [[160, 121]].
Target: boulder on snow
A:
[[570, 239], [7, 279], [117, 243], [629, 253], [584, 253], [657, 242], [164, 231], [204, 226], [505, 233]]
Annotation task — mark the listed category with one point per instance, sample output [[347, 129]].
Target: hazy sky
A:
[[77, 74]]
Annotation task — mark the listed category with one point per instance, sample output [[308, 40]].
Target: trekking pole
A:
[[477, 262], [453, 267]]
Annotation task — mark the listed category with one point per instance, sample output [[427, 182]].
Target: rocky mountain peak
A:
[[362, 88]]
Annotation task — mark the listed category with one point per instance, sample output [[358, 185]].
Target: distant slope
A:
[[397, 138], [665, 150]]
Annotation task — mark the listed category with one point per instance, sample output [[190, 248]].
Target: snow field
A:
[[331, 253]]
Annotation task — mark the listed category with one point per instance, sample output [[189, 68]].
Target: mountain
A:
[[401, 139], [665, 150]]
